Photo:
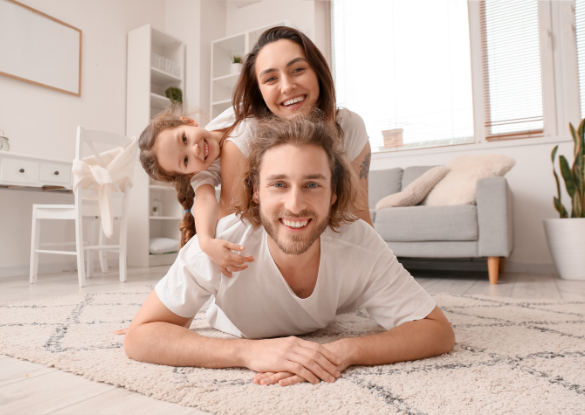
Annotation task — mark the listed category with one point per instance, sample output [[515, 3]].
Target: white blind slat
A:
[[580, 28], [511, 61]]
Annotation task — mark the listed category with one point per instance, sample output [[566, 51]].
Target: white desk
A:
[[31, 171]]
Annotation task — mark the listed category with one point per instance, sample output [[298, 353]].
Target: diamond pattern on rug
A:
[[511, 356]]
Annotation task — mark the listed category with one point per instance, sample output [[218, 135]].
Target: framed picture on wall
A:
[[39, 49]]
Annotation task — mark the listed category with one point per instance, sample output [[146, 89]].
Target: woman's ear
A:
[[189, 121]]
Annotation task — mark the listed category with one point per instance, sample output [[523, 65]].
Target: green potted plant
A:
[[236, 64], [566, 235], [174, 94]]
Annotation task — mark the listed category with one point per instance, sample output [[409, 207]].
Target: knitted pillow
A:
[[416, 191], [460, 185]]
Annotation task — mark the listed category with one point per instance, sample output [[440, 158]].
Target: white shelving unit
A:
[[146, 85], [222, 51]]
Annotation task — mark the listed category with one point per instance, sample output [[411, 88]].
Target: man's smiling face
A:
[[294, 195]]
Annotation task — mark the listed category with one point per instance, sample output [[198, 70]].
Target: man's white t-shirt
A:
[[354, 131], [357, 270]]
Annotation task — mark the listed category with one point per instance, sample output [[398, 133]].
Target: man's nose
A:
[[295, 201]]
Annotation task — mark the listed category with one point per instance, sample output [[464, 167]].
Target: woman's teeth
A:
[[206, 149], [293, 101], [295, 224]]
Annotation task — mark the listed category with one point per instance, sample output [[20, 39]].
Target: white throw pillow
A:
[[415, 191], [459, 187], [163, 245]]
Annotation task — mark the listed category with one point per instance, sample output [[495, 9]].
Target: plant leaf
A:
[[554, 153], [576, 213], [560, 208], [566, 173]]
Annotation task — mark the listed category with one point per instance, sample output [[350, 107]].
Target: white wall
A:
[[301, 13], [42, 122]]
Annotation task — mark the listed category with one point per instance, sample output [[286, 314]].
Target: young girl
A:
[[174, 149], [284, 75]]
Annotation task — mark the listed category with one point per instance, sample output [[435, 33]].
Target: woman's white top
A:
[[357, 271], [354, 129]]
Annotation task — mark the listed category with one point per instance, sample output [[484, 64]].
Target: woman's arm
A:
[[232, 166], [361, 166]]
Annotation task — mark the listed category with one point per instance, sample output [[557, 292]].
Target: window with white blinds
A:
[[405, 68], [512, 78], [580, 29]]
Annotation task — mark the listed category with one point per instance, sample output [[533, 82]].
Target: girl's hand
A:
[[220, 252]]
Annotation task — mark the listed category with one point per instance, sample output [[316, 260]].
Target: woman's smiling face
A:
[[287, 82]]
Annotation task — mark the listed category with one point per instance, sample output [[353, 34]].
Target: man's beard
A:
[[294, 244]]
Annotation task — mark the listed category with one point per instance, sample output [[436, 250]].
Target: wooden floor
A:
[[28, 388]]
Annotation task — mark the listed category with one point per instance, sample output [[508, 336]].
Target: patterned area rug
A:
[[511, 357]]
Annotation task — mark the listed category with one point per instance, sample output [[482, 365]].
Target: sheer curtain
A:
[[404, 66]]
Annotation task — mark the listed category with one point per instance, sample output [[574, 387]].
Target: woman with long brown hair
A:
[[285, 75]]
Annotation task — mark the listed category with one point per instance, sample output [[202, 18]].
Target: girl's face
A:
[[186, 149], [287, 82]]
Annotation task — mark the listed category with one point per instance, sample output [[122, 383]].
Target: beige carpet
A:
[[511, 357]]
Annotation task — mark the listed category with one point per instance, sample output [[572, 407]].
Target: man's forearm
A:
[[173, 345], [410, 341]]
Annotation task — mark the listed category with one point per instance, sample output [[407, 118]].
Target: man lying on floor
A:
[[313, 261]]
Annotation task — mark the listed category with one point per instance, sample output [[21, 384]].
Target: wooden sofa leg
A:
[[502, 264], [493, 268]]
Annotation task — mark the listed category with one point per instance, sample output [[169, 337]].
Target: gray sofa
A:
[[461, 231]]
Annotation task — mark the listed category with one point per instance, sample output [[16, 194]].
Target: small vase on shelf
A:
[[236, 65], [156, 208]]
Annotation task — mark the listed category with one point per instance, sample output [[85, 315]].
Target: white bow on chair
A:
[[109, 171]]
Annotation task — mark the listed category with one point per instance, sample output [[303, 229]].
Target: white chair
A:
[[86, 206]]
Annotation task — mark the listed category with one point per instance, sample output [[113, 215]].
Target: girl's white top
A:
[[354, 129]]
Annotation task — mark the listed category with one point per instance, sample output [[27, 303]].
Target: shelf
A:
[[222, 103], [161, 259], [232, 44], [165, 218], [219, 107], [161, 77], [160, 187], [158, 101], [228, 81]]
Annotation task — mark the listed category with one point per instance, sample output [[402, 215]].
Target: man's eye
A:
[[278, 185], [184, 139], [313, 185], [186, 161]]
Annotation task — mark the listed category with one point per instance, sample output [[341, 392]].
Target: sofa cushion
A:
[[382, 183], [412, 173], [459, 187], [415, 191], [428, 223]]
